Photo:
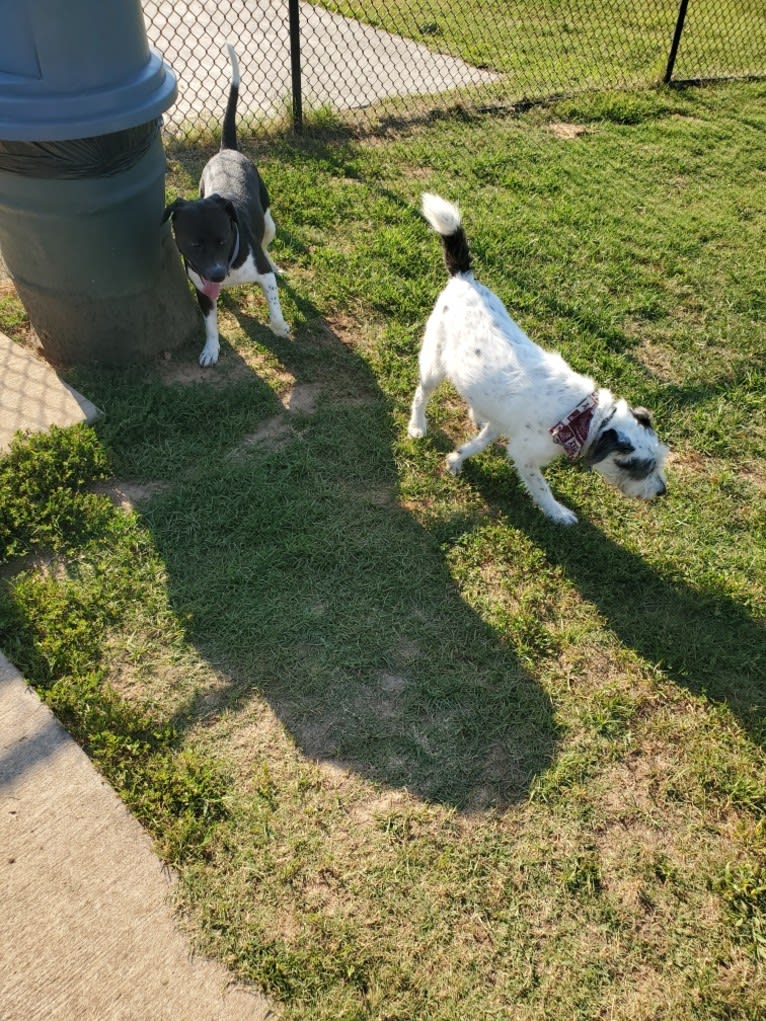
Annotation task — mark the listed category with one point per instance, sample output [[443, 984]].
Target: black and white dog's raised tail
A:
[[517, 390], [223, 236], [229, 126], [445, 220]]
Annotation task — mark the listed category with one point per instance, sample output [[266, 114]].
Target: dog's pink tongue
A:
[[212, 290]]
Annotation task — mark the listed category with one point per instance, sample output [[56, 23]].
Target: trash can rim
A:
[[32, 114]]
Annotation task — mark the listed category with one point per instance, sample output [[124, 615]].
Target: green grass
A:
[[416, 752]]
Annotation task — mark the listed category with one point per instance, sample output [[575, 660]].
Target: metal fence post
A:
[[295, 66], [676, 40]]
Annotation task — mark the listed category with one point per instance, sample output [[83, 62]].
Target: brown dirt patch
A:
[[567, 131], [276, 432], [383, 497], [658, 359], [129, 494], [33, 562], [302, 398], [273, 434], [179, 369], [187, 373]]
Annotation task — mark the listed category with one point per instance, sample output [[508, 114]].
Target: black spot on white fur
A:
[[643, 416], [638, 468], [609, 442]]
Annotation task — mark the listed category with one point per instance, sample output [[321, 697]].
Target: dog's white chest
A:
[[247, 273]]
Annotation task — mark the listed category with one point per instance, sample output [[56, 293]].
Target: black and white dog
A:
[[223, 236], [516, 390]]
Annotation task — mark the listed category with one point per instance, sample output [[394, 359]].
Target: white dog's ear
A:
[[609, 442], [643, 416]]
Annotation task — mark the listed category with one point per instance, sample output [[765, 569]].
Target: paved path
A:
[[346, 64], [87, 933], [33, 397]]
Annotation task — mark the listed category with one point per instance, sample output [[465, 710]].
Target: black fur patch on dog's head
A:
[[226, 204], [643, 416], [180, 204], [638, 467], [609, 442]]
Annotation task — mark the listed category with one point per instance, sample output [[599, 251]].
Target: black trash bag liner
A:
[[100, 156]]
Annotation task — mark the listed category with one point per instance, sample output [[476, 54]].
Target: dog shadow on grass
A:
[[305, 582], [704, 641]]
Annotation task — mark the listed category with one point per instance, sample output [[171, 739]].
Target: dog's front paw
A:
[[417, 427], [454, 462], [562, 515], [280, 328], [209, 355]]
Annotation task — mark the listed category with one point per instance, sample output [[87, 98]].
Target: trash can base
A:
[[115, 329]]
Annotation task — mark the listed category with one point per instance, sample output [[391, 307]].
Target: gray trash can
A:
[[82, 182]]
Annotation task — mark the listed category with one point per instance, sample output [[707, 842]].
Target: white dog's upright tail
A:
[[445, 220]]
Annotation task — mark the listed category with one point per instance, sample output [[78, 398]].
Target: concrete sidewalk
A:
[[87, 932], [33, 397]]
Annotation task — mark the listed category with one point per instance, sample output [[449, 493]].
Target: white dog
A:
[[516, 390]]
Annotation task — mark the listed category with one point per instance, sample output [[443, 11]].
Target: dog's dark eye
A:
[[221, 244], [195, 244], [638, 468]]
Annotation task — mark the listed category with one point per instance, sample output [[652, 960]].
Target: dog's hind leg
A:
[[475, 419], [418, 426], [480, 442], [269, 233], [431, 375], [268, 284]]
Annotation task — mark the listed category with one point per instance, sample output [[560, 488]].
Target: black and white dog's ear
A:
[[172, 209], [643, 416], [609, 442], [228, 206]]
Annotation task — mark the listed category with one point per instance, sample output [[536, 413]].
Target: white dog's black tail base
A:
[[445, 220], [229, 129], [457, 256]]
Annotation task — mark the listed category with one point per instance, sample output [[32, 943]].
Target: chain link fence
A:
[[306, 66]]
